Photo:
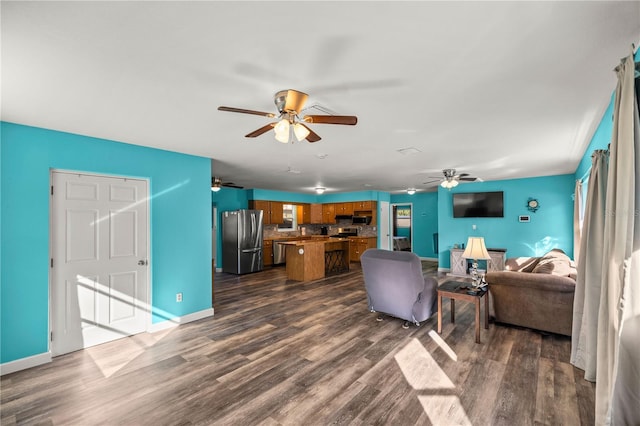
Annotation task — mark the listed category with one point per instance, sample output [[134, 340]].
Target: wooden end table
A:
[[456, 290]]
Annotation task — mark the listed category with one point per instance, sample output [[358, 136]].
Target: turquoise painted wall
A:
[[600, 140], [550, 227], [425, 220], [180, 211]]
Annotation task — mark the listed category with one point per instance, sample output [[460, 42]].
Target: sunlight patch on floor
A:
[[444, 410], [423, 373], [420, 369], [443, 345], [112, 358]]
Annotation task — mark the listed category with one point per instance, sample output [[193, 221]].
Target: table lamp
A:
[[476, 250]]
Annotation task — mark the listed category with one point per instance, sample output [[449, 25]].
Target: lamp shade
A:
[[476, 249]]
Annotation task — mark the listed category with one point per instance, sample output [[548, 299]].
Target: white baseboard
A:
[[174, 322], [44, 358], [444, 269], [24, 363], [435, 259]]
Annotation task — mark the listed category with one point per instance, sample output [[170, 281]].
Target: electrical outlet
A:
[[178, 297]]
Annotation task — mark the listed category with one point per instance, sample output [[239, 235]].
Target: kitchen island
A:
[[309, 260]]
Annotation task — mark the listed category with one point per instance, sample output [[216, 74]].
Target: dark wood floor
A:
[[282, 352]]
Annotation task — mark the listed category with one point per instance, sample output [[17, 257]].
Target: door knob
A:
[[142, 262]]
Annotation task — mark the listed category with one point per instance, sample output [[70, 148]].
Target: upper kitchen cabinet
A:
[[344, 209], [304, 214], [328, 213], [316, 213], [363, 205], [272, 211]]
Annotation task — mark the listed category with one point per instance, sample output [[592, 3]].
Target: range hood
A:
[[344, 217]]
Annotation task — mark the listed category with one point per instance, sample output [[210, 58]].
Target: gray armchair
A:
[[396, 287]]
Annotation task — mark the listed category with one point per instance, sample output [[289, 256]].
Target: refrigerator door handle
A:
[[253, 250]]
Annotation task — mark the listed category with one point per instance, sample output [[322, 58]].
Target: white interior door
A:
[[383, 226], [99, 246]]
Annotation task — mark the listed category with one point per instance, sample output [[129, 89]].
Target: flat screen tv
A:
[[478, 204]]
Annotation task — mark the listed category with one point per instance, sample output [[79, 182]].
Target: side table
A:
[[456, 290]]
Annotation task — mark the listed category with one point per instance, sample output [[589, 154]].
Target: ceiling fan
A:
[[217, 184], [290, 125], [451, 179]]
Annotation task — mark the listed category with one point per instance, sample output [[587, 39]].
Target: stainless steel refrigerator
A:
[[242, 241]]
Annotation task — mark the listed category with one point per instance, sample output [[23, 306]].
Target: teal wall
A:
[[600, 140], [425, 220], [180, 220], [550, 227]]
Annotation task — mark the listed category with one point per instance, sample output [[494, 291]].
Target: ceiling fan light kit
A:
[[216, 184], [290, 103], [411, 191], [320, 190], [448, 184]]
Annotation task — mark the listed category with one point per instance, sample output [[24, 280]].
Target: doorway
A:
[[402, 226], [99, 259]]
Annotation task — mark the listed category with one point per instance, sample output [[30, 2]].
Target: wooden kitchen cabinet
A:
[[267, 252], [359, 245], [363, 205], [304, 214], [316, 213], [276, 212], [272, 211], [329, 213], [344, 208]]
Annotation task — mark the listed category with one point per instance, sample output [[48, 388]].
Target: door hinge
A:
[[51, 189], [51, 336], [52, 262]]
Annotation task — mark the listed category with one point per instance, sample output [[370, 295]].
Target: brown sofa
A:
[[535, 292]]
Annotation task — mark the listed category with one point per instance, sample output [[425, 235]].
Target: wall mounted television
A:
[[478, 204]]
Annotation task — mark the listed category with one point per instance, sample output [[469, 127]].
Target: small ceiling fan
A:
[[290, 103], [217, 184], [451, 179]]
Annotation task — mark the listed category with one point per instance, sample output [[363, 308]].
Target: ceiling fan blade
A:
[[349, 120], [246, 111], [232, 185], [468, 179], [260, 131], [312, 136]]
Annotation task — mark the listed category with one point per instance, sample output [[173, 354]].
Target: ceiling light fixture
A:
[[411, 191], [216, 184], [282, 130], [449, 183], [320, 190], [300, 131]]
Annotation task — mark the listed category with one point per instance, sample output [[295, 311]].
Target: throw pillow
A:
[[556, 262]]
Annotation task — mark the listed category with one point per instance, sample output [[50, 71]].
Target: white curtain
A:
[[586, 301], [577, 222], [618, 366]]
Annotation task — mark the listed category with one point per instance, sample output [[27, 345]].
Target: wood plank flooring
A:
[[280, 352]]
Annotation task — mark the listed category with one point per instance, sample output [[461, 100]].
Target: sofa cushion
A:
[[556, 262]]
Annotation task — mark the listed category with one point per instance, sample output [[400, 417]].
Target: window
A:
[[403, 218], [290, 217]]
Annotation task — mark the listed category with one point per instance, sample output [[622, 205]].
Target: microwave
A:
[[361, 220]]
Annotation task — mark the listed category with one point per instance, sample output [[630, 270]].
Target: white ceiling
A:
[[496, 89]]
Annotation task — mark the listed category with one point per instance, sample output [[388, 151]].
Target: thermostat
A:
[[524, 218]]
